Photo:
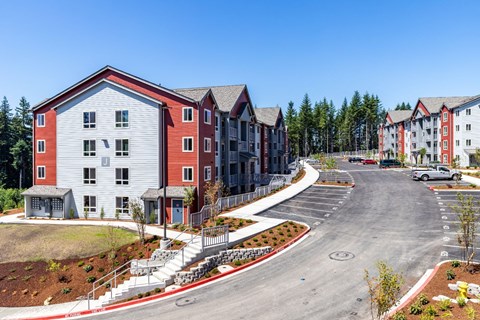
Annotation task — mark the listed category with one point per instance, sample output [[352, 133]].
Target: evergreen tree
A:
[[291, 121], [305, 124], [403, 106], [21, 150], [5, 142]]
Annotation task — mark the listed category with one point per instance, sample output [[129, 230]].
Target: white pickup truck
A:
[[436, 173]]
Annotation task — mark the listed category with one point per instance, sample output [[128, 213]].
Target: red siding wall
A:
[[380, 142], [47, 159], [400, 138], [448, 137]]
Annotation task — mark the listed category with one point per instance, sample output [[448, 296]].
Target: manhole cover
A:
[[341, 255], [185, 301]]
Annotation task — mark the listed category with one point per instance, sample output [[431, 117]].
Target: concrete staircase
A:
[[160, 278]]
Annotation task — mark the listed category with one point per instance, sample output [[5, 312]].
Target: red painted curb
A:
[[412, 296], [181, 289]]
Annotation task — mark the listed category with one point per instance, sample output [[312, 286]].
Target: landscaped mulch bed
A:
[[299, 176], [334, 183], [454, 187], [438, 285], [30, 283]]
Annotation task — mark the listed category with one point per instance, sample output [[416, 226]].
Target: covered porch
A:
[[47, 201]]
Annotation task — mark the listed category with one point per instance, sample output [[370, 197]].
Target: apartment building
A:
[[114, 137], [442, 127]]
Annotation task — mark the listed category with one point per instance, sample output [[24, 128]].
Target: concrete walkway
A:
[[249, 211]]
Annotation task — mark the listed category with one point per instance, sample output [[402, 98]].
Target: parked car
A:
[[355, 159], [390, 163], [436, 172], [369, 161], [312, 161]]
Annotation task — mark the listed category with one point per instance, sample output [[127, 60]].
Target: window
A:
[[457, 113], [445, 158], [216, 148], [468, 142], [207, 145], [207, 116], [187, 144], [216, 123], [468, 112], [121, 119], [445, 130], [457, 143], [445, 116], [457, 127], [89, 121], [187, 114], [445, 144], [187, 174], [121, 176], [90, 204], [41, 172], [40, 146], [36, 203], [216, 173], [41, 120], [457, 158], [207, 173], [258, 145], [57, 204], [468, 127], [121, 147], [89, 148], [121, 204], [89, 176]]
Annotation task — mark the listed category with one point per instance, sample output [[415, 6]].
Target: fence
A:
[[277, 181], [215, 236]]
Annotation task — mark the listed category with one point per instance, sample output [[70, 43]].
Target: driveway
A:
[[386, 216]]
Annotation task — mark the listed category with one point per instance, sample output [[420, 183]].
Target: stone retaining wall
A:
[[223, 257], [162, 254]]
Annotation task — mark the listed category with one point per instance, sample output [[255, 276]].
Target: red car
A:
[[369, 161]]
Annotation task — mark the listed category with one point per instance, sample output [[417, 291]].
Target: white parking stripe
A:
[[325, 198], [315, 202], [295, 214], [306, 208]]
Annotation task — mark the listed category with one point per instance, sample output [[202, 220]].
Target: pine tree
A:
[[21, 150], [5, 142], [305, 121], [291, 121]]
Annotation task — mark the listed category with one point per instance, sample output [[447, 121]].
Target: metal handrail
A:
[[182, 249], [184, 231]]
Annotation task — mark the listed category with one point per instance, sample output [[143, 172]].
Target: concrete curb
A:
[[176, 291], [417, 288]]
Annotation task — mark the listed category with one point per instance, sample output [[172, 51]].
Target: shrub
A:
[[91, 279], [66, 290], [101, 269], [416, 308], [289, 235], [430, 310], [88, 268], [470, 312], [423, 299], [450, 274], [270, 231], [282, 240], [215, 271], [102, 213], [237, 262], [255, 240], [71, 213], [102, 255], [399, 316], [265, 241], [455, 263], [462, 302], [274, 244], [264, 236], [63, 278], [147, 294], [80, 263], [26, 278], [42, 279], [427, 317], [140, 295], [53, 266], [248, 220], [259, 244], [157, 290], [444, 305]]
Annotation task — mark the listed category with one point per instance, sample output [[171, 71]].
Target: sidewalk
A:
[[247, 212]]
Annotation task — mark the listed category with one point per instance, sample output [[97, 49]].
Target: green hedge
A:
[[10, 199]]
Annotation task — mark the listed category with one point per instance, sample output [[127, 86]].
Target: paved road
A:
[[386, 216]]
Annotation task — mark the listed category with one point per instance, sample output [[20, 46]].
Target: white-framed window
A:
[[207, 145], [36, 203], [121, 147], [457, 127], [40, 146], [468, 142], [457, 157], [90, 204], [41, 120], [457, 143], [207, 116], [187, 144], [468, 127], [216, 148], [207, 173], [187, 174], [89, 148], [457, 113], [89, 176], [445, 130], [187, 114], [445, 145], [57, 204], [121, 176], [468, 112], [445, 158], [121, 119], [217, 122], [89, 120], [445, 116], [41, 172], [121, 204]]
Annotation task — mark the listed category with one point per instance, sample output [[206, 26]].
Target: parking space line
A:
[[306, 208], [295, 214], [325, 198], [314, 202]]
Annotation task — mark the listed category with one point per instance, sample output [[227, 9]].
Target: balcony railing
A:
[[233, 156], [233, 133], [233, 179], [244, 146]]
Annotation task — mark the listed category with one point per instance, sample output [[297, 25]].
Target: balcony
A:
[[233, 133], [233, 156], [243, 146], [233, 179], [246, 178]]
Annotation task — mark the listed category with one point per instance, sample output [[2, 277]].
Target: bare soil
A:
[[299, 176], [438, 285], [334, 183], [454, 187]]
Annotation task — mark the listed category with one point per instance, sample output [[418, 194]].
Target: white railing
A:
[[244, 146], [233, 155], [233, 179], [233, 132]]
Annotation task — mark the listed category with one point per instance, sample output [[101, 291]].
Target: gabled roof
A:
[[399, 115], [461, 103], [268, 116], [197, 94], [434, 104], [87, 82], [46, 191], [172, 192]]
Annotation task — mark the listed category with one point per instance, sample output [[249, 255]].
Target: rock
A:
[[34, 294], [91, 260], [14, 293], [25, 291], [47, 301], [4, 290]]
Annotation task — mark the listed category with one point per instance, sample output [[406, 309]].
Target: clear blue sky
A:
[[399, 50]]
